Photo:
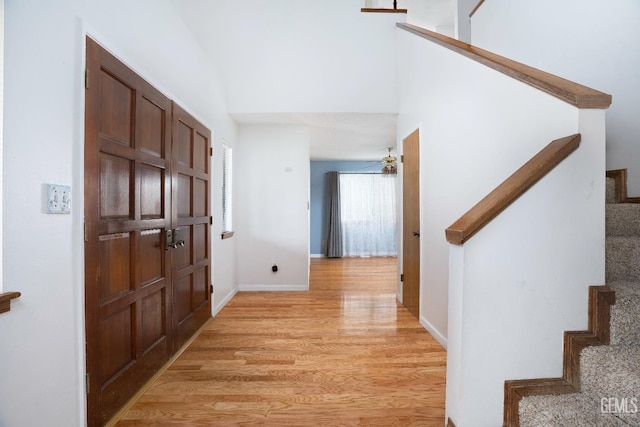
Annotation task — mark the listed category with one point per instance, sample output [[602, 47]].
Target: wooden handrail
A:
[[475, 9], [511, 188], [568, 91], [5, 300], [379, 10], [383, 10]]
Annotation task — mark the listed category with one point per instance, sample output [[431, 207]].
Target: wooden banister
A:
[[379, 10], [5, 300], [475, 9], [510, 189], [383, 10], [568, 91]]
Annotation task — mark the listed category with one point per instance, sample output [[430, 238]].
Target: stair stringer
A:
[[601, 298]]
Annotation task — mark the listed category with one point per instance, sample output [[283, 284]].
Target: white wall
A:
[[460, 141], [478, 126], [272, 189], [300, 56], [42, 355], [434, 15], [463, 22], [588, 41]]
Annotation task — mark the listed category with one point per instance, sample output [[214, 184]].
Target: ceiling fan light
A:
[[390, 170]]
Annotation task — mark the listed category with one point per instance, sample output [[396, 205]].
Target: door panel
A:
[[200, 242], [411, 223], [192, 300], [151, 191], [200, 199], [153, 324], [116, 109], [115, 268], [151, 257], [151, 138], [116, 175], [128, 275]]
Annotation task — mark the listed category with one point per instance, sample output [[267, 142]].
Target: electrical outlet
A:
[[58, 199]]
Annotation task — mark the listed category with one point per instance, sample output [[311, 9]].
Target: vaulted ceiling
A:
[[322, 64]]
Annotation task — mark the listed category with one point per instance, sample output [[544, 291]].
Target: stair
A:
[[609, 387]]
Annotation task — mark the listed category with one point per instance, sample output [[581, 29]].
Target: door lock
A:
[[416, 234], [173, 240]]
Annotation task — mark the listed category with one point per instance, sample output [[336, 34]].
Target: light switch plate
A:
[[58, 199]]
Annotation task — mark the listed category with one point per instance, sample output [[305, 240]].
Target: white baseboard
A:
[[317, 256], [225, 301], [434, 332], [273, 288]]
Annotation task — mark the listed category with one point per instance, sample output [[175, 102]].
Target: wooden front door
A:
[[132, 195], [411, 223], [191, 266]]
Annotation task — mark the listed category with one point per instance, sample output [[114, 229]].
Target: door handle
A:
[[177, 241], [172, 243], [416, 234]]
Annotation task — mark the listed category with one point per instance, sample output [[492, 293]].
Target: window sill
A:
[[227, 234], [5, 300]]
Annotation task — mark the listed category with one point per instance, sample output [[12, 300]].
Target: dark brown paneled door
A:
[[191, 258], [130, 200], [411, 223]]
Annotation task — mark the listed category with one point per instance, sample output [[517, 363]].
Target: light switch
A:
[[58, 199]]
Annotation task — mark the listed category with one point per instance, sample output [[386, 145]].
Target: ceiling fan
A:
[[390, 163]]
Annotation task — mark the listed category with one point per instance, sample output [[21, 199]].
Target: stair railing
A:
[[511, 189], [5, 300], [475, 9]]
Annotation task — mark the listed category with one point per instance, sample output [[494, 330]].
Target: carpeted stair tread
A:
[[623, 219], [610, 371], [621, 259], [565, 410], [625, 313], [611, 190]]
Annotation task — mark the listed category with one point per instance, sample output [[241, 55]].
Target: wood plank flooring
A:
[[343, 354]]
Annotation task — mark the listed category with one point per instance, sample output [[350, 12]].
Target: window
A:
[[227, 200], [368, 214]]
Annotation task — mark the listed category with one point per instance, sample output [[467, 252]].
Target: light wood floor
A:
[[343, 354]]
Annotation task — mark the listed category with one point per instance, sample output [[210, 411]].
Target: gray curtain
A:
[[334, 232]]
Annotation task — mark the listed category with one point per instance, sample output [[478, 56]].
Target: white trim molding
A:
[[273, 288], [434, 332]]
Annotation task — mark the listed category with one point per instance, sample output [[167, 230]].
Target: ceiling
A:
[[337, 136], [364, 133]]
